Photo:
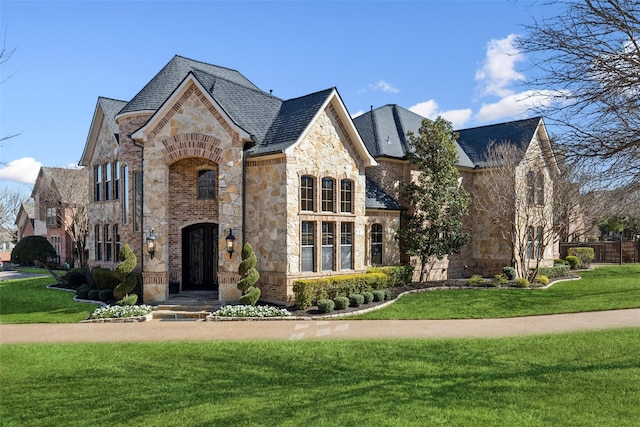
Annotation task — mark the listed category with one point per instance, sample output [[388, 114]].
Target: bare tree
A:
[[10, 202], [589, 62]]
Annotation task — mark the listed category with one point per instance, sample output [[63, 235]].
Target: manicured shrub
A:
[[124, 271], [396, 274], [509, 272], [105, 278], [368, 297], [341, 303], [307, 291], [105, 295], [499, 280], [356, 300], [573, 261], [326, 305], [83, 293], [131, 299], [94, 295], [75, 279], [521, 282], [558, 270], [249, 276], [387, 294], [560, 262], [378, 295], [542, 279], [32, 249], [585, 255], [475, 280]]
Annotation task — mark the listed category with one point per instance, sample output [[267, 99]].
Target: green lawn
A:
[[29, 301], [605, 288], [581, 379]]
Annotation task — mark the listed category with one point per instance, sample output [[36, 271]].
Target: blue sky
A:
[[450, 58]]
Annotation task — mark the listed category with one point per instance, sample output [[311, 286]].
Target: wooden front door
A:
[[200, 257]]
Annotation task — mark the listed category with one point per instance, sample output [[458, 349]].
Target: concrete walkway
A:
[[198, 330]]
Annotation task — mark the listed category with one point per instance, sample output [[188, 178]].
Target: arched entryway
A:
[[200, 257]]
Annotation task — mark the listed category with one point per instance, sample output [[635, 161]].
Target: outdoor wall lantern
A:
[[230, 239], [151, 243]]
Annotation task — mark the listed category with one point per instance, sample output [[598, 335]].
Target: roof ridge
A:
[[258, 90], [502, 123], [207, 63]]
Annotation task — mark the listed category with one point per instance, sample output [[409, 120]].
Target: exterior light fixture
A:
[[230, 239], [151, 243]]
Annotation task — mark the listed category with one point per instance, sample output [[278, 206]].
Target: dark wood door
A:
[[200, 257]]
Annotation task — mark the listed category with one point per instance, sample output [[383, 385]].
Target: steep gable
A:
[[104, 115]]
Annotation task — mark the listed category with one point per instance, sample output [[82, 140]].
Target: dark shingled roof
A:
[[477, 141], [384, 132], [376, 198], [111, 107]]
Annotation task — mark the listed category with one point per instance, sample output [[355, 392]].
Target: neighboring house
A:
[[384, 131], [201, 156], [25, 220], [58, 195], [6, 245]]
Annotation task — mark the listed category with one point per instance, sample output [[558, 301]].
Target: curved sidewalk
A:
[[158, 330]]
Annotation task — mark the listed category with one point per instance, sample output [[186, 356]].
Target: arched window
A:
[[207, 184], [376, 244], [346, 196], [328, 194], [307, 193], [539, 188]]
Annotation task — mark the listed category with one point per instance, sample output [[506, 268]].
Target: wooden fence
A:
[[619, 252]]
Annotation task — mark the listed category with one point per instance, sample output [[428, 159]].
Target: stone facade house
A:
[[384, 131], [58, 195], [201, 161]]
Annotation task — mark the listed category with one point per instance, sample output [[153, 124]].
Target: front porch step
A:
[[161, 314], [191, 305]]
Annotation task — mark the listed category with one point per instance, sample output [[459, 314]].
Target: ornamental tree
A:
[[437, 200], [249, 276]]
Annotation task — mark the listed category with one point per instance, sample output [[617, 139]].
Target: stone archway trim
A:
[[188, 145]]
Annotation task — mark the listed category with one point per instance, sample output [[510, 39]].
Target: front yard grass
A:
[[604, 288], [585, 379], [29, 301]]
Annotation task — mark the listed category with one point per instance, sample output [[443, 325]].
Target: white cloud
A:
[[24, 170], [430, 110], [357, 113], [498, 69], [385, 87], [515, 105]]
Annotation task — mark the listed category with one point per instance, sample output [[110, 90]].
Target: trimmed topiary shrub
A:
[[326, 305], [521, 282], [542, 279], [387, 294], [124, 272], [105, 295], [378, 295], [94, 295], [509, 272], [368, 297], [356, 300], [32, 249], [307, 291], [341, 303], [75, 279], [83, 293], [475, 280], [105, 278], [573, 261], [131, 299], [249, 276]]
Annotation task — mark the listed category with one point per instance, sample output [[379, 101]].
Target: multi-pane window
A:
[[376, 244], [327, 194], [97, 179], [98, 243], [108, 248], [535, 248], [308, 246], [56, 242], [530, 187], [116, 236], [535, 188], [207, 184], [328, 245], [539, 196], [52, 217], [346, 195], [107, 181], [306, 193], [346, 246], [116, 182], [137, 201], [125, 194]]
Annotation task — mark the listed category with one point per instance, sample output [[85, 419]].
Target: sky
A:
[[454, 59]]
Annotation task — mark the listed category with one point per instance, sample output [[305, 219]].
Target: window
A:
[[306, 193], [116, 183], [108, 248], [530, 187], [346, 246], [207, 184], [327, 245], [529, 248], [52, 217], [107, 181], [137, 201], [308, 247], [327, 194], [376, 244], [539, 188], [125, 194], [346, 195], [539, 249], [116, 236], [98, 243], [97, 179]]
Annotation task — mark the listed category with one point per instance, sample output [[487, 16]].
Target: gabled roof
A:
[[110, 108], [376, 198], [71, 185], [477, 141], [106, 110], [384, 132]]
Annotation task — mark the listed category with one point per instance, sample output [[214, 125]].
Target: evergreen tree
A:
[[437, 200]]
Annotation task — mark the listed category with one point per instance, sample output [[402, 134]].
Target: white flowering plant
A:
[[111, 311], [251, 311]]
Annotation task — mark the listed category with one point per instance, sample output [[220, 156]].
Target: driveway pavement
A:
[[199, 330]]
